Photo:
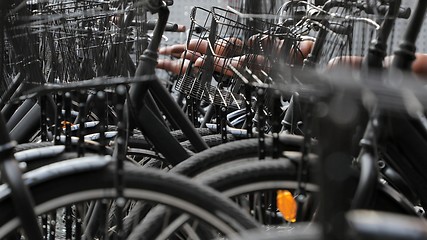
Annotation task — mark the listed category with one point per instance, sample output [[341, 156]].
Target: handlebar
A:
[[404, 13], [170, 27]]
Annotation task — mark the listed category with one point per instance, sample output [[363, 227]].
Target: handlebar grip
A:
[[170, 27], [404, 13], [181, 28], [169, 2], [340, 29]]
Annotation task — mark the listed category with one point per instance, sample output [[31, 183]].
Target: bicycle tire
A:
[[139, 141], [265, 176], [211, 140], [27, 146], [230, 151], [302, 232], [64, 190], [36, 155], [274, 172], [233, 180]]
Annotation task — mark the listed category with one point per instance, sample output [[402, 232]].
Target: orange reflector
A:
[[287, 205], [65, 123]]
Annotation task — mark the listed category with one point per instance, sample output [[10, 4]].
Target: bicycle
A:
[[63, 176]]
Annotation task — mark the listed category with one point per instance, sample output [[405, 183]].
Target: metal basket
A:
[[224, 41], [74, 38]]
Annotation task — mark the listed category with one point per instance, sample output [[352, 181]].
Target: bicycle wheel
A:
[[143, 153], [254, 186], [139, 141], [282, 174], [76, 192], [35, 155], [228, 152], [211, 140]]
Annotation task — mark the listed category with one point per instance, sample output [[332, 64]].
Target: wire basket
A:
[[199, 28], [74, 39], [220, 39], [342, 31]]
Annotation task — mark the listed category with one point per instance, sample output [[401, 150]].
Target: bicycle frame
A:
[[143, 117]]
